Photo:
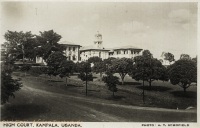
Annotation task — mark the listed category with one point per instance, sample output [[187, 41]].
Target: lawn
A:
[[162, 94]]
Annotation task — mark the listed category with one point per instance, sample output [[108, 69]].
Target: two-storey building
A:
[[72, 51], [126, 51]]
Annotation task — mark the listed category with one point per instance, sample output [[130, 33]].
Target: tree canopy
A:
[[185, 56], [94, 59], [48, 43], [8, 84], [148, 68], [183, 72], [121, 66], [20, 45], [169, 57], [111, 81], [54, 62]]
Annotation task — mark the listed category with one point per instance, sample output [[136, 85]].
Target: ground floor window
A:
[[74, 57]]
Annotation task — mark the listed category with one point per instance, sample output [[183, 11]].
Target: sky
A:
[[158, 27]]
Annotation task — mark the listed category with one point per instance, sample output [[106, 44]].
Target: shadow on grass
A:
[[155, 88], [130, 83], [94, 77], [22, 111], [55, 80], [188, 94], [92, 90], [71, 85], [115, 97]]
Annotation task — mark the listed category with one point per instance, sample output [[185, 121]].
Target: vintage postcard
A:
[[99, 64]]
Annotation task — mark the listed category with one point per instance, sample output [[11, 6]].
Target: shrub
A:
[[111, 81], [36, 71]]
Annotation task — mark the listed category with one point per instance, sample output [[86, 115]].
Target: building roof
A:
[[127, 47], [67, 43]]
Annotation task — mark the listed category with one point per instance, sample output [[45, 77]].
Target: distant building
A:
[[72, 51], [40, 60], [126, 51], [95, 50]]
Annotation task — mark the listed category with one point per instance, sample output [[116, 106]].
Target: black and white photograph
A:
[[84, 61]]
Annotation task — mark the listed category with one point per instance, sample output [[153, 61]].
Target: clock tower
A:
[[98, 41]]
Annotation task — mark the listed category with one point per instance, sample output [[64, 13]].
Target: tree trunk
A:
[[122, 80], [150, 84], [100, 76], [23, 53], [86, 85], [143, 90], [66, 81], [184, 88], [113, 94]]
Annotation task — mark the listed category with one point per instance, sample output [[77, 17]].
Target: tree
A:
[[54, 63], [183, 72], [109, 60], [194, 59], [94, 59], [48, 42], [25, 68], [121, 66], [84, 68], [111, 81], [185, 56], [8, 84], [148, 68], [66, 68], [169, 57], [99, 67], [20, 44]]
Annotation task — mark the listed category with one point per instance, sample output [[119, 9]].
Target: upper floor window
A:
[[69, 48], [74, 48]]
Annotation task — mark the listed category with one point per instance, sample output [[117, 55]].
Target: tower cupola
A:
[[98, 41]]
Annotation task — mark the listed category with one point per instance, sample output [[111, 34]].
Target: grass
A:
[[162, 94]]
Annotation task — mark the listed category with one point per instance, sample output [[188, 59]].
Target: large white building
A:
[[77, 53], [96, 49]]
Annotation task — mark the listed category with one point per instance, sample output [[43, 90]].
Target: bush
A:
[[111, 81], [36, 71], [26, 67], [82, 76], [8, 87]]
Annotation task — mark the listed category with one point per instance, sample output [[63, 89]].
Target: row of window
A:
[[72, 57], [126, 52], [72, 48]]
